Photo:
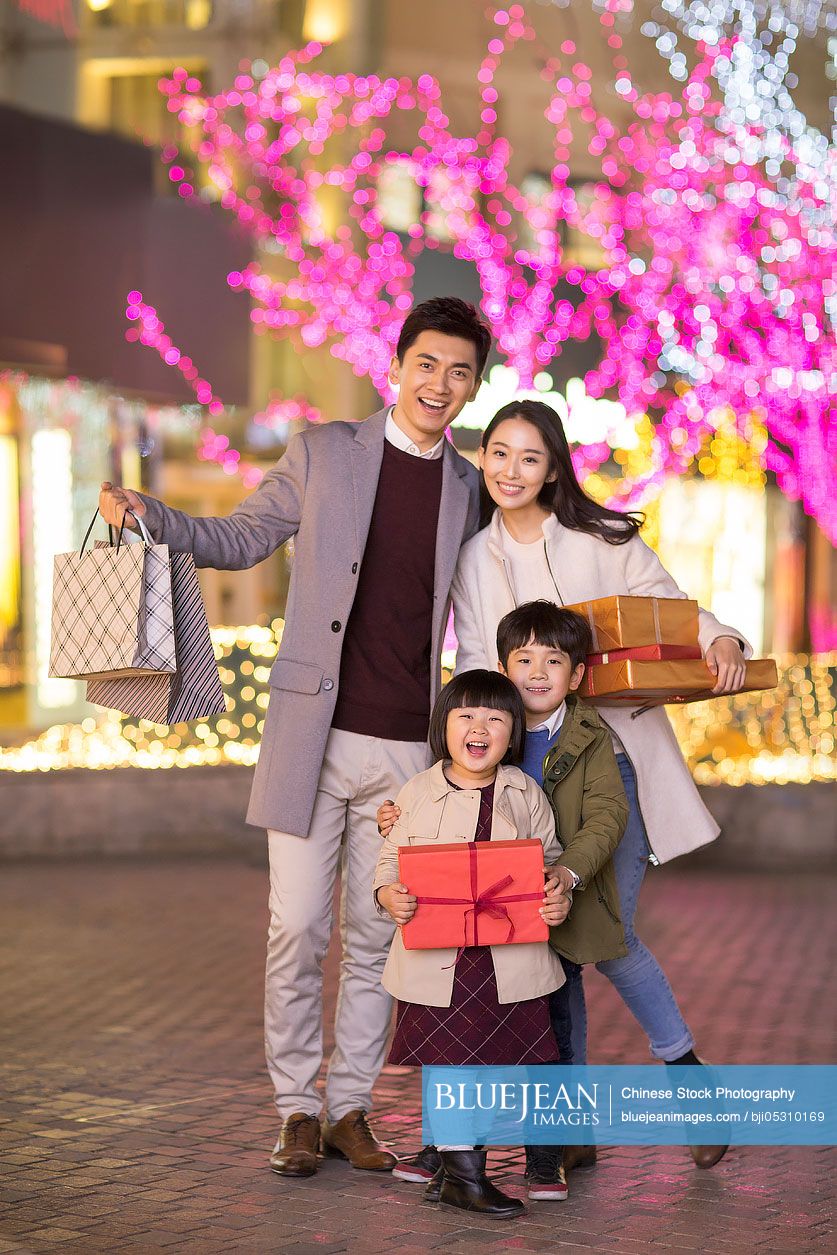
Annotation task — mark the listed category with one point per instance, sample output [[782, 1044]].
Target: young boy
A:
[[542, 648], [569, 752]]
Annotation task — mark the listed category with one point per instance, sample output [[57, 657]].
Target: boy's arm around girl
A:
[[422, 820]]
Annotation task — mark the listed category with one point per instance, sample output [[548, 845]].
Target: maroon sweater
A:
[[385, 663]]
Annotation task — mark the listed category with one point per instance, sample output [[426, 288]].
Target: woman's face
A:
[[515, 464]]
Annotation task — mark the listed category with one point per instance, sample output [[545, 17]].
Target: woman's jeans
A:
[[637, 976]]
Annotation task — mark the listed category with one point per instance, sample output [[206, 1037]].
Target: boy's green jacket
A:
[[584, 787]]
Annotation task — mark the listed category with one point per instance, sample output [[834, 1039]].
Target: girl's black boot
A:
[[466, 1186]]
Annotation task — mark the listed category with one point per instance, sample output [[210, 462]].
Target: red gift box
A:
[[645, 653], [475, 893]]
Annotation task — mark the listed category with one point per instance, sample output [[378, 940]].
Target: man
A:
[[378, 511]]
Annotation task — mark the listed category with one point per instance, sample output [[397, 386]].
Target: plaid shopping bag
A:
[[112, 611], [194, 691]]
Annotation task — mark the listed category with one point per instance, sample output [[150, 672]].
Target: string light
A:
[[756, 738]]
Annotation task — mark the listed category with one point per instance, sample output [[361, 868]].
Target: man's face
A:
[[436, 379], [543, 676]]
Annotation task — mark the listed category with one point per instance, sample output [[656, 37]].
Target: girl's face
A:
[[515, 464], [478, 738]]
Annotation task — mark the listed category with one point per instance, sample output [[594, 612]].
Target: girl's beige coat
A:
[[432, 810]]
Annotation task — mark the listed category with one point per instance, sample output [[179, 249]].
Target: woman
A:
[[543, 537]]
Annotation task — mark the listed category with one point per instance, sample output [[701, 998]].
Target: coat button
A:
[[354, 568], [336, 625], [328, 685]]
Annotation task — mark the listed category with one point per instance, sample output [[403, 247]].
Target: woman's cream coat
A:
[[584, 567], [433, 810]]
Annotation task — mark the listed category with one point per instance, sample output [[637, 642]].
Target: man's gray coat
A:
[[322, 493]]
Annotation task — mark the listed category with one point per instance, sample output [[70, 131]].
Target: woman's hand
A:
[[556, 902], [726, 661], [118, 503], [388, 812], [398, 902]]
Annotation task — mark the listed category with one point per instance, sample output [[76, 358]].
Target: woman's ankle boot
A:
[[466, 1186]]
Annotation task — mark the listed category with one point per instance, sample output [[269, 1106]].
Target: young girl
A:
[[544, 538], [492, 1006]]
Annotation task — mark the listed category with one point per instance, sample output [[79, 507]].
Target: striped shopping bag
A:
[[194, 691]]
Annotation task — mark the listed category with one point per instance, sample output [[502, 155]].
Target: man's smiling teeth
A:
[[433, 405]]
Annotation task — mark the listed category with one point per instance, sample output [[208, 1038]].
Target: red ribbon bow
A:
[[487, 903]]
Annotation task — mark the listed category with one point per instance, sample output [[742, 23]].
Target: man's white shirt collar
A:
[[395, 436], [553, 723]]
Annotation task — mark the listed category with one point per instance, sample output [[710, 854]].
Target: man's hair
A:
[[451, 317], [545, 624], [474, 689]]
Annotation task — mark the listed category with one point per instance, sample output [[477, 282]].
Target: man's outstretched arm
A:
[[263, 522]]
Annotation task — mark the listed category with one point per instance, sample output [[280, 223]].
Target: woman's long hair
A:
[[564, 496]]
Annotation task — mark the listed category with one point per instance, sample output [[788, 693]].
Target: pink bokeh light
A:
[[712, 287]]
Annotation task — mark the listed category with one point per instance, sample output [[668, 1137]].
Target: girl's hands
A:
[[398, 902], [726, 661], [557, 901], [388, 813]]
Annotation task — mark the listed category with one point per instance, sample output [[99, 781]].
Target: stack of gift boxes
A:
[[646, 653]]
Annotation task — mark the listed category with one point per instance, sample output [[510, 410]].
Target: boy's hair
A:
[[545, 624], [450, 316], [478, 688]]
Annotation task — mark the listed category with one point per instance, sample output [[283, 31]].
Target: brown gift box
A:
[[632, 683], [624, 622]]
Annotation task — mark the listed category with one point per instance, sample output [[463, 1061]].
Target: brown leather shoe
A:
[[295, 1154], [579, 1157], [352, 1138], [708, 1156]]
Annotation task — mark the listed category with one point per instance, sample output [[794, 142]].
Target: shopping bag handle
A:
[[146, 538]]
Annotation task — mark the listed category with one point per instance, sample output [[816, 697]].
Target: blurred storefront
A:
[[94, 215]]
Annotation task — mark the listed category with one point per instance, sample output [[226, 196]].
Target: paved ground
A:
[[137, 1115]]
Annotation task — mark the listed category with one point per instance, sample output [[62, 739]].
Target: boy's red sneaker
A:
[[419, 1168], [545, 1177]]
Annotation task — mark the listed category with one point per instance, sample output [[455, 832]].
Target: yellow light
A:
[[98, 6], [198, 14], [325, 21], [780, 736], [52, 532], [9, 536]]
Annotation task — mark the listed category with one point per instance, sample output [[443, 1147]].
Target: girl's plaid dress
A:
[[476, 1028]]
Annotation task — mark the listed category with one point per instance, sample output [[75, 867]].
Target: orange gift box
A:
[[633, 683], [475, 893], [624, 622]]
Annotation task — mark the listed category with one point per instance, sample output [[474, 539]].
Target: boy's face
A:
[[436, 379], [543, 676]]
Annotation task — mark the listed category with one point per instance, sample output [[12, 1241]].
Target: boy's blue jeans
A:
[[637, 976]]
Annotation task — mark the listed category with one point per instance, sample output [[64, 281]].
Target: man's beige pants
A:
[[358, 773]]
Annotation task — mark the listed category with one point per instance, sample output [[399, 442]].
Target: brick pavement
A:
[[136, 1112]]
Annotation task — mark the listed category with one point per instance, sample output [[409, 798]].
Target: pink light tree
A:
[[713, 287]]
